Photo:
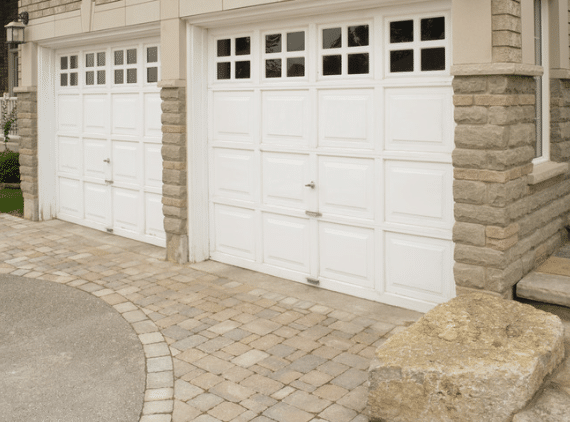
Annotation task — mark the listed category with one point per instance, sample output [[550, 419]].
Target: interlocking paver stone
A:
[[246, 346]]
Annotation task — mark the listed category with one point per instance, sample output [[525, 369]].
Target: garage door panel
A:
[[284, 179], [418, 119], [346, 186], [347, 254], [152, 116], [96, 151], [234, 116], [69, 113], [346, 118], [235, 230], [70, 155], [153, 165], [127, 209], [97, 204], [126, 114], [286, 242], [96, 119], [154, 218], [127, 162], [419, 194], [418, 267], [70, 197], [286, 118], [235, 174]]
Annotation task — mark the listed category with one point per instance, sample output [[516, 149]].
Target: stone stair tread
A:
[[551, 405], [543, 287]]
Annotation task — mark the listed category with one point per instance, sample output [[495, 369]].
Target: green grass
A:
[[12, 201]]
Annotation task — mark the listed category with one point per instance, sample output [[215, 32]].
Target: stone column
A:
[[174, 171], [28, 132], [494, 149]]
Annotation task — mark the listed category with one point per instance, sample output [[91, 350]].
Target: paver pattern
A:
[[221, 343]]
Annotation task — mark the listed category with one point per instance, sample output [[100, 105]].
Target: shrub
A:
[[9, 167]]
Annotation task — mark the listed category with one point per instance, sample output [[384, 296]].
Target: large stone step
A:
[[546, 288]]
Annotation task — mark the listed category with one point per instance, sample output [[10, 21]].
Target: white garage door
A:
[[330, 153], [109, 170]]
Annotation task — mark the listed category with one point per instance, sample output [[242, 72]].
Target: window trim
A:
[[544, 113]]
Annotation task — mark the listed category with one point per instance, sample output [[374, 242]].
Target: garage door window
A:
[[345, 50], [417, 45], [234, 58], [285, 55], [68, 70], [95, 68], [125, 64]]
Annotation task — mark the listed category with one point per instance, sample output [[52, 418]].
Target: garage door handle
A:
[[311, 185], [108, 160], [109, 182], [313, 214]]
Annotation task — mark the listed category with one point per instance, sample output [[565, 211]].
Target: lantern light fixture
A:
[[15, 29]]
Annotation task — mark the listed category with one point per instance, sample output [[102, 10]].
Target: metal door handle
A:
[[311, 185], [108, 160], [313, 214], [109, 182]]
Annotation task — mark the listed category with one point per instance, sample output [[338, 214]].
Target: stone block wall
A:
[[42, 8], [174, 172], [506, 24], [504, 225], [560, 120], [28, 132]]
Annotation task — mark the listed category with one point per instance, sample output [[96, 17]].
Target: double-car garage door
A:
[[109, 163], [330, 142]]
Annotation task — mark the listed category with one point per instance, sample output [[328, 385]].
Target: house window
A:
[[542, 109], [12, 70], [233, 58], [417, 45], [345, 50]]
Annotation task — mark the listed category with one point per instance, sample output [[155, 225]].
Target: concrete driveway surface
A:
[[220, 343]]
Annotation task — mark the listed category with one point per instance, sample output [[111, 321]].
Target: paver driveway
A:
[[221, 343]]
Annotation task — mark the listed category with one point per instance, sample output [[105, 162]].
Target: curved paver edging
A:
[[158, 401]]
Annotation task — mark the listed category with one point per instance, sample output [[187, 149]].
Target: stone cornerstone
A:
[[475, 358]]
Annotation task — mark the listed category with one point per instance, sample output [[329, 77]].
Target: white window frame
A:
[[543, 115]]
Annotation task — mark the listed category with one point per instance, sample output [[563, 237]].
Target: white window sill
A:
[[545, 171]]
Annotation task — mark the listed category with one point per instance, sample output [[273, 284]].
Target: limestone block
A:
[[474, 358]]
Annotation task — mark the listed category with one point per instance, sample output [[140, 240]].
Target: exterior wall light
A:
[[15, 30]]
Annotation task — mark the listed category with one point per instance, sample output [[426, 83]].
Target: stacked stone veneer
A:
[[174, 172], [506, 24], [504, 226], [28, 132], [42, 8], [560, 120]]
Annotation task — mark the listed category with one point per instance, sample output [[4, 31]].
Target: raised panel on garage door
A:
[[284, 178], [287, 242], [235, 231]]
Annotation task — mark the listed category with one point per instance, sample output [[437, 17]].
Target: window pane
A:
[[358, 36], [332, 65], [119, 58], [100, 59], [152, 54], [332, 38], [224, 71], [358, 64], [296, 41], [73, 79], [131, 76], [131, 56], [119, 76], [73, 62], [401, 31], [273, 68], [242, 46], [402, 61], [296, 67], [224, 48], [63, 63], [152, 74], [63, 79], [433, 29], [273, 43], [433, 59], [90, 60], [101, 77], [243, 70], [90, 78]]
